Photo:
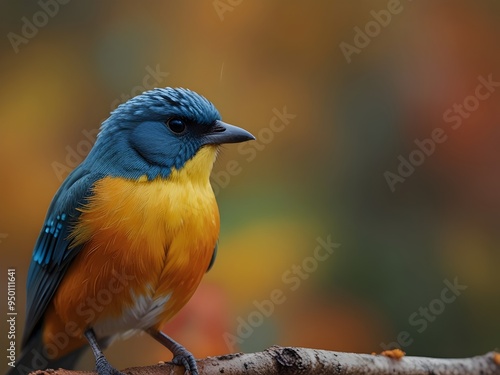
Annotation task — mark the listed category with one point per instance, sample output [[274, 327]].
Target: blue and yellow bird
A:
[[129, 234]]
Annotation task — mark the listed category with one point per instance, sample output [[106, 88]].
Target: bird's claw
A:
[[186, 359], [182, 357], [103, 367]]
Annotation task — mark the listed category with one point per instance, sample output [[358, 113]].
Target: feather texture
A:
[[145, 247]]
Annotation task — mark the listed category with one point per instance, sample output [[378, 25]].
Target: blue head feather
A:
[[136, 141]]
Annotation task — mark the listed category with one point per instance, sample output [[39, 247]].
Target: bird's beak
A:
[[225, 133]]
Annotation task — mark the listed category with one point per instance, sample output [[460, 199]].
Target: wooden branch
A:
[[291, 360]]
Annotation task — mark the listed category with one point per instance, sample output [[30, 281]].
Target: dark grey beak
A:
[[226, 133]]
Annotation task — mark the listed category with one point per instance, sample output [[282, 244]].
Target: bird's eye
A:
[[176, 125]]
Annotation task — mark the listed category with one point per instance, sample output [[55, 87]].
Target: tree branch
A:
[[291, 360]]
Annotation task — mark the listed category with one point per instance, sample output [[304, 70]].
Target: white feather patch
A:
[[144, 314]]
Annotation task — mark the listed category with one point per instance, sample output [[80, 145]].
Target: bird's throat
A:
[[198, 168]]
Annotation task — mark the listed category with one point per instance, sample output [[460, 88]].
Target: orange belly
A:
[[147, 245]]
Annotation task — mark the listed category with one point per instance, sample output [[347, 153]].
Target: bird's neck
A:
[[195, 171]]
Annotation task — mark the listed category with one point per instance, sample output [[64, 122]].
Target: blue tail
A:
[[34, 357]]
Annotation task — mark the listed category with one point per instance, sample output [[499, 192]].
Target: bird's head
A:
[[159, 132]]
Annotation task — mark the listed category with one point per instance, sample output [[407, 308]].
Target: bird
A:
[[129, 234]]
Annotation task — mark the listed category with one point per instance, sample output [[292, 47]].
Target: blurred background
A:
[[362, 83]]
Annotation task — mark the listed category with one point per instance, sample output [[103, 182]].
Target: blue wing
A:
[[214, 255], [52, 253]]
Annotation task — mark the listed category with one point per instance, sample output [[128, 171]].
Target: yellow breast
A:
[[144, 242]]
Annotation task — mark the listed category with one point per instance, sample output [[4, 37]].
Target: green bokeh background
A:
[[321, 175]]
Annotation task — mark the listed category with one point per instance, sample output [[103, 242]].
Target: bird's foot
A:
[[103, 367], [184, 358]]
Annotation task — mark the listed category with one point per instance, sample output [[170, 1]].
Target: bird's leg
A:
[[102, 365], [181, 355]]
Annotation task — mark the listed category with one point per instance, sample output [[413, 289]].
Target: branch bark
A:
[[291, 360]]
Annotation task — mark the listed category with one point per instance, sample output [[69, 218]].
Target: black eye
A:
[[176, 125]]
